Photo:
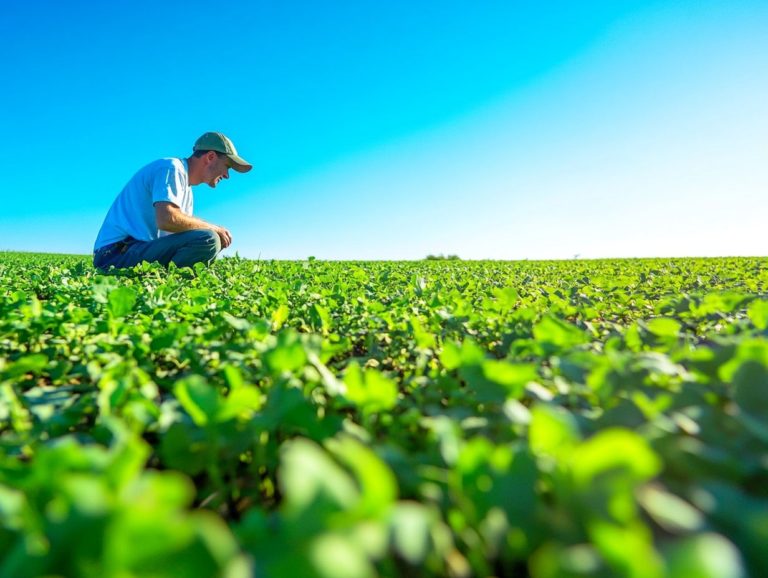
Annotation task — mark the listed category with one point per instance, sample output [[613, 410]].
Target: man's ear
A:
[[211, 156]]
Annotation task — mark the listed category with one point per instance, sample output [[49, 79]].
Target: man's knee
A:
[[205, 243], [210, 240], [197, 246]]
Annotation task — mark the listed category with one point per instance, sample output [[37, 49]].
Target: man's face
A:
[[217, 168]]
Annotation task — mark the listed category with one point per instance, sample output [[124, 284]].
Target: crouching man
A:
[[151, 219]]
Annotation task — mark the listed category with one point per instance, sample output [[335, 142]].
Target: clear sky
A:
[[392, 130]]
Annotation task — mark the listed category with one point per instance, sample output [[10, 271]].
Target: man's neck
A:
[[193, 170]]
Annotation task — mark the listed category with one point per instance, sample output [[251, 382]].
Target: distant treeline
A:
[[442, 257]]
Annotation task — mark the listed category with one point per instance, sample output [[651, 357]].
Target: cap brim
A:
[[240, 164]]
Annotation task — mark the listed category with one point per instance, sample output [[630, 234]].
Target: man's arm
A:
[[170, 218]]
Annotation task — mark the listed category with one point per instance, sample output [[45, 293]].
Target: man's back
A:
[[132, 214]]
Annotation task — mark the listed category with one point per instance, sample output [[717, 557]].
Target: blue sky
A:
[[391, 130]]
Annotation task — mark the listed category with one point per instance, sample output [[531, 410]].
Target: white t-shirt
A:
[[133, 212]]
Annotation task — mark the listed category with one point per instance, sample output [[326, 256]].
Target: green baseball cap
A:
[[215, 141]]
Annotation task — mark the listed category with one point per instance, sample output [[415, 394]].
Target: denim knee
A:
[[209, 241]]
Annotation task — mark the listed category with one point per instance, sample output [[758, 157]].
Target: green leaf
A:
[[554, 560], [751, 389], [378, 485], [464, 354], [758, 313], [620, 452], [719, 302], [280, 316], [553, 431], [424, 339], [512, 376], [288, 354], [628, 548], [321, 317], [369, 389], [748, 350], [233, 376], [33, 363], [606, 470], [184, 447], [664, 327], [310, 479], [337, 556], [242, 402], [669, 511], [121, 301], [558, 333], [411, 524], [506, 298], [705, 556], [201, 400], [451, 355], [236, 322]]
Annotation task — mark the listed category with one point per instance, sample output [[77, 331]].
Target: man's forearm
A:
[[179, 222], [172, 220]]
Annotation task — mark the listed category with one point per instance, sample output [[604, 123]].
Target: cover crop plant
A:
[[361, 419]]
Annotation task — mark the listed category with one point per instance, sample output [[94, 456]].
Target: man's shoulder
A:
[[168, 163], [159, 168]]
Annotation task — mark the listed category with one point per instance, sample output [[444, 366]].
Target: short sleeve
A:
[[169, 185]]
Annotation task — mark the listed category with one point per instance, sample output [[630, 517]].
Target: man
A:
[[151, 219]]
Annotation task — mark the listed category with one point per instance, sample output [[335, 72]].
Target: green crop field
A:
[[359, 419]]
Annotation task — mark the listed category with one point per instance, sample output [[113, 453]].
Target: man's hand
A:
[[225, 236]]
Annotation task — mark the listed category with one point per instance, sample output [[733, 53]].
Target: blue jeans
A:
[[183, 249]]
